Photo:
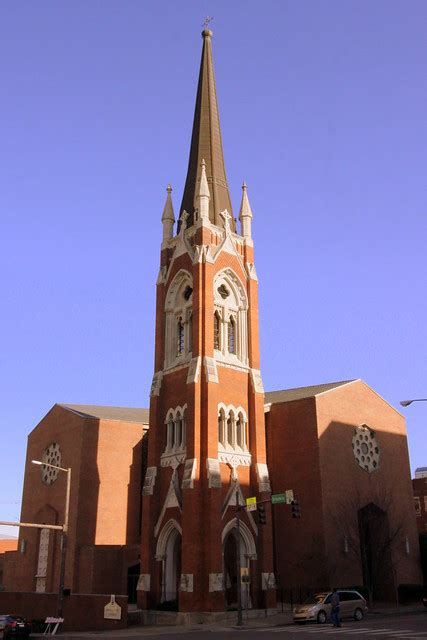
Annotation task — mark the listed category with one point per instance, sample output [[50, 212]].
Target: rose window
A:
[[366, 449], [52, 455]]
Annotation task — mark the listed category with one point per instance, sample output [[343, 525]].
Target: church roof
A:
[[128, 414], [206, 144], [300, 393], [122, 414]]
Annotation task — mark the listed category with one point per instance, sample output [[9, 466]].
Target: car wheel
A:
[[358, 614], [322, 617]]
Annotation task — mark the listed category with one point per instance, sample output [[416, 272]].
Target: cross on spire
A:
[[206, 22], [227, 217]]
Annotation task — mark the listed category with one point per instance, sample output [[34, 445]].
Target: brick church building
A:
[[155, 495]]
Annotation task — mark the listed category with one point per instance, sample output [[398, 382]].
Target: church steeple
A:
[[206, 144]]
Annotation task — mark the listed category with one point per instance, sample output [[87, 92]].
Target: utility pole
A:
[[239, 575]]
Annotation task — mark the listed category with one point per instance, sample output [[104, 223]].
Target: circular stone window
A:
[[52, 455], [366, 449]]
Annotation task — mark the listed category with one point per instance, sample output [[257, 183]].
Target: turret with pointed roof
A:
[[206, 144]]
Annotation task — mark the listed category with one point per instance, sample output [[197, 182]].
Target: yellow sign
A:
[[251, 504]]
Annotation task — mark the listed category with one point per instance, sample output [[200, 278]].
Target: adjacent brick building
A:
[[104, 447], [419, 486]]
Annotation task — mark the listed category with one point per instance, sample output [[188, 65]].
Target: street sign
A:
[[278, 498], [251, 504], [112, 611], [289, 496]]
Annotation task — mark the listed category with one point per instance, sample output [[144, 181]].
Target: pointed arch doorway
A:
[[230, 564], [169, 551]]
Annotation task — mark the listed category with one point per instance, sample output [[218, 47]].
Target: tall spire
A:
[[206, 144]]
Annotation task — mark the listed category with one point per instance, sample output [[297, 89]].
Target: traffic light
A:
[[296, 512], [261, 514]]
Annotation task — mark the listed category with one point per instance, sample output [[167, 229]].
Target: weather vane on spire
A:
[[208, 19]]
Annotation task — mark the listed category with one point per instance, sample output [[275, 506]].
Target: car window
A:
[[345, 596], [316, 599], [355, 595], [328, 599]]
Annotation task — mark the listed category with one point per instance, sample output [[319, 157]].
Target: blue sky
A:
[[323, 113]]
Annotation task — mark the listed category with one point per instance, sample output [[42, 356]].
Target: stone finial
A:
[[203, 195], [168, 217], [245, 215]]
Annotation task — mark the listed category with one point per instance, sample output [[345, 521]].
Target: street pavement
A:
[[408, 623]]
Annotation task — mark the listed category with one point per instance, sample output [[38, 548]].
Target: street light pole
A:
[[406, 403], [239, 571], [64, 540], [64, 533]]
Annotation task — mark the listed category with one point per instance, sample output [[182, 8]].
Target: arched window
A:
[[180, 337], [221, 427], [178, 432], [175, 432], [239, 431], [232, 431], [170, 434], [217, 330], [183, 433], [190, 331], [230, 330], [232, 335], [178, 319]]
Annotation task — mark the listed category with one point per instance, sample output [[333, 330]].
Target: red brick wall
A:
[[346, 487], [419, 487], [293, 458], [106, 459], [310, 451], [81, 612]]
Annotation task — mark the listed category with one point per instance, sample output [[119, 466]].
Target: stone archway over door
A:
[[172, 566], [229, 554]]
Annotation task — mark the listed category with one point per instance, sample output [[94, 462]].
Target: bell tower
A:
[[207, 447]]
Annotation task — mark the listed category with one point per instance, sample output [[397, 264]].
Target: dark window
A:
[[223, 291], [328, 600], [187, 292], [232, 336], [230, 432], [190, 332], [180, 337], [217, 331]]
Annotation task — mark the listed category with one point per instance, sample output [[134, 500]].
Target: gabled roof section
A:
[[206, 144], [121, 414], [300, 393]]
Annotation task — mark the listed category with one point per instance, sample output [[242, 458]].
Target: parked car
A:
[[14, 626], [317, 608]]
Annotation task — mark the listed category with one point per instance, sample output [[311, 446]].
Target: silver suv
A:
[[317, 608]]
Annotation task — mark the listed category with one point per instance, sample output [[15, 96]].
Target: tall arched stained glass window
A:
[[232, 335], [217, 330], [180, 337]]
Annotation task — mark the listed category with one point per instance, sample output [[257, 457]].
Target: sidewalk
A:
[[276, 620]]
